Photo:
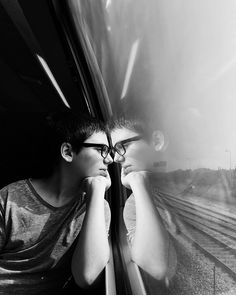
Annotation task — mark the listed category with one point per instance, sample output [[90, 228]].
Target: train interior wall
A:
[[23, 147]]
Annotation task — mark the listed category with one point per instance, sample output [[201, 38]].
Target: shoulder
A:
[[17, 185], [13, 189]]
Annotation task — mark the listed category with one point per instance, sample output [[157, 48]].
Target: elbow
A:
[[88, 277], [159, 273], [158, 270], [84, 281]]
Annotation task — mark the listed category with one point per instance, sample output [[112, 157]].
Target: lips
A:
[[103, 172], [127, 169]]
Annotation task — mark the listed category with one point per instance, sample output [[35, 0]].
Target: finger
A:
[[128, 170], [123, 173]]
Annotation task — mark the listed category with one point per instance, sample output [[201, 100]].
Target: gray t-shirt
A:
[[36, 240]]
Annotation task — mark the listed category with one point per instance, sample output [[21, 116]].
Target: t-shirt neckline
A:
[[33, 190]]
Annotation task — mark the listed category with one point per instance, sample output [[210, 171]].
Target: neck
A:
[[58, 189]]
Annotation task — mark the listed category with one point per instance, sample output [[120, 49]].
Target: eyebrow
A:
[[129, 139], [93, 144]]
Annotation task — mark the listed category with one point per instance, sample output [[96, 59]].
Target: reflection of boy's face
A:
[[89, 161], [139, 154]]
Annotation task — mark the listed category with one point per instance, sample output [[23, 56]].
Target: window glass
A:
[[173, 62]]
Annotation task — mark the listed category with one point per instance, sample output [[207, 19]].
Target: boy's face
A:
[[89, 161], [139, 153]]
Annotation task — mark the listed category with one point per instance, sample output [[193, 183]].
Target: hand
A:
[[96, 182], [134, 177]]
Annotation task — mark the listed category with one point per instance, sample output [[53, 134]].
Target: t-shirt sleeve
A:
[[129, 215], [107, 213], [2, 219]]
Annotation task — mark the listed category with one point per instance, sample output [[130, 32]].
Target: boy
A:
[[58, 224], [134, 147]]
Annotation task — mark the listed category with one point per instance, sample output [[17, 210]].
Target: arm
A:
[[151, 247], [92, 250], [3, 196]]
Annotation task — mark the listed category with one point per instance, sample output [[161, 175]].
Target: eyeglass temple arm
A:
[[129, 139]]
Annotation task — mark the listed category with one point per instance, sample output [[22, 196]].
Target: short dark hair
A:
[[133, 123], [72, 127]]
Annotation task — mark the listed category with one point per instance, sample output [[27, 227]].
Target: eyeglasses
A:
[[118, 147], [105, 150]]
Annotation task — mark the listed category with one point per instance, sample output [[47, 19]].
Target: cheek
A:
[[142, 155], [87, 161], [90, 162], [139, 151]]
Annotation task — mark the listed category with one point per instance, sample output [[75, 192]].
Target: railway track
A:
[[215, 224], [208, 230]]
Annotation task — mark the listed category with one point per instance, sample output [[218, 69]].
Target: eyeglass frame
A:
[[113, 149], [100, 145]]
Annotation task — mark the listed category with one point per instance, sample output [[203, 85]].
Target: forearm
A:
[[92, 250], [151, 242]]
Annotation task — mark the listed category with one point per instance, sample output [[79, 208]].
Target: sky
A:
[[196, 70], [187, 51]]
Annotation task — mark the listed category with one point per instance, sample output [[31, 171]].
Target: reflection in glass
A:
[[174, 63]]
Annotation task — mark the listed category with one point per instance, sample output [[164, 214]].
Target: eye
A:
[[127, 143], [98, 149], [118, 146]]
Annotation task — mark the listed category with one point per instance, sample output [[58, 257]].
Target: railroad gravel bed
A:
[[195, 274]]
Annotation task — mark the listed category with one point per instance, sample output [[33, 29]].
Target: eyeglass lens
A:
[[104, 151], [119, 148]]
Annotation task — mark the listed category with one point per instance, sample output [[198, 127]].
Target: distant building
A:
[[160, 166]]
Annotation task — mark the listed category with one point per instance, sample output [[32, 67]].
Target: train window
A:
[[167, 68], [173, 64]]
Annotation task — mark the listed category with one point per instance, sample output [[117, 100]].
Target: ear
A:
[[67, 152], [158, 140]]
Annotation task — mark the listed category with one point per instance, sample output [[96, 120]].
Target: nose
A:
[[118, 158], [108, 160]]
